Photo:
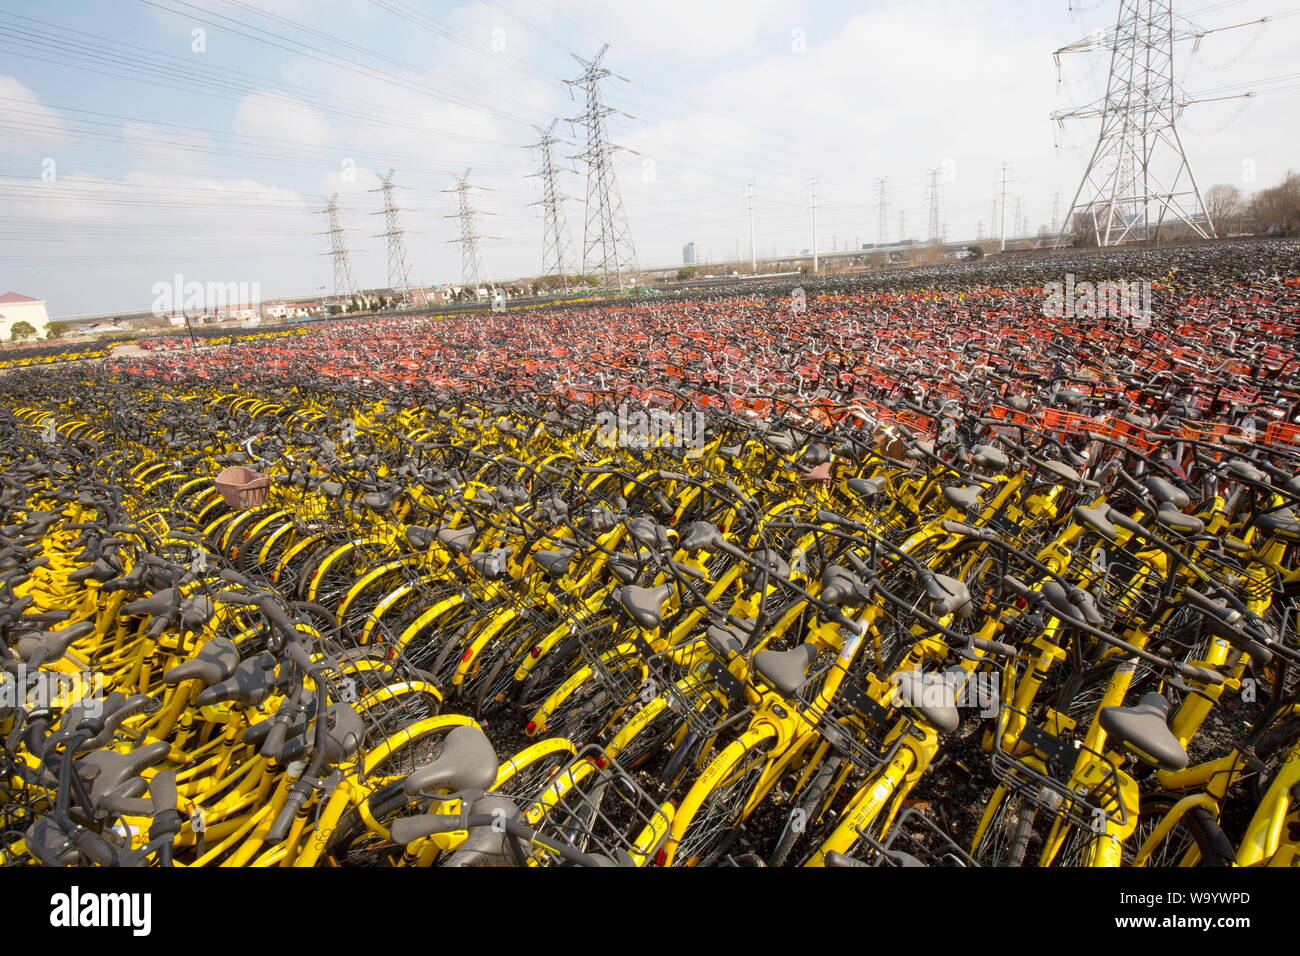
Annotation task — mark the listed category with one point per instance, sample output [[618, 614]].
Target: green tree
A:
[[686, 272], [22, 331], [56, 330]]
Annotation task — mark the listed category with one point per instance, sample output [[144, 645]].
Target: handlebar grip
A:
[[409, 829], [687, 570], [275, 738], [280, 829], [235, 597], [94, 847], [994, 647], [1202, 674]]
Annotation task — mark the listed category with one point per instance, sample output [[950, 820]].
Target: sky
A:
[[141, 140]]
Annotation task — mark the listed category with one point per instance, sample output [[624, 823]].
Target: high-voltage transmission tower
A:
[[1000, 207], [473, 273], [882, 210], [1138, 174], [399, 272], [555, 235], [607, 249], [933, 235], [344, 287]]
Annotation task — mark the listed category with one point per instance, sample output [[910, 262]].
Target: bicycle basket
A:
[[242, 487], [708, 697], [593, 804], [1045, 781], [914, 835]]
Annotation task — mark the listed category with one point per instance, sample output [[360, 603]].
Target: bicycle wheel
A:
[[1195, 840], [708, 821], [1010, 838]]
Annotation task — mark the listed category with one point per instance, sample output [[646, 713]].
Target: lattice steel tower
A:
[[344, 287], [934, 236], [555, 234], [1138, 173], [607, 249], [399, 272], [473, 273]]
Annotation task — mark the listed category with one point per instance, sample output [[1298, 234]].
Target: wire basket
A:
[[593, 804], [1048, 785], [852, 722], [243, 488], [1123, 592], [708, 697], [916, 835]]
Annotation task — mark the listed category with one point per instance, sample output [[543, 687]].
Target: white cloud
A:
[[275, 116], [21, 107]]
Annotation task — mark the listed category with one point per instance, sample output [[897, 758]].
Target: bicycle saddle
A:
[[555, 563], [782, 442], [1281, 523], [1059, 600], [1063, 473], [491, 564], [467, 762], [101, 571], [786, 670], [701, 535], [457, 540], [116, 773], [648, 532], [51, 645], [817, 454], [215, 661], [842, 588], [645, 605], [420, 537], [1167, 493], [964, 498], [344, 732], [727, 637], [867, 487], [986, 456], [1097, 519], [1171, 517], [160, 602], [247, 685], [1143, 730], [933, 695], [950, 596]]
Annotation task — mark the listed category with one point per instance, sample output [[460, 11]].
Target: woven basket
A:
[[242, 487]]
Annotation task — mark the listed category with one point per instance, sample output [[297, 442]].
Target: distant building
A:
[[22, 308], [688, 254]]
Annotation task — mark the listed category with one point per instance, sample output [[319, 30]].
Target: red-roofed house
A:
[[22, 308]]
